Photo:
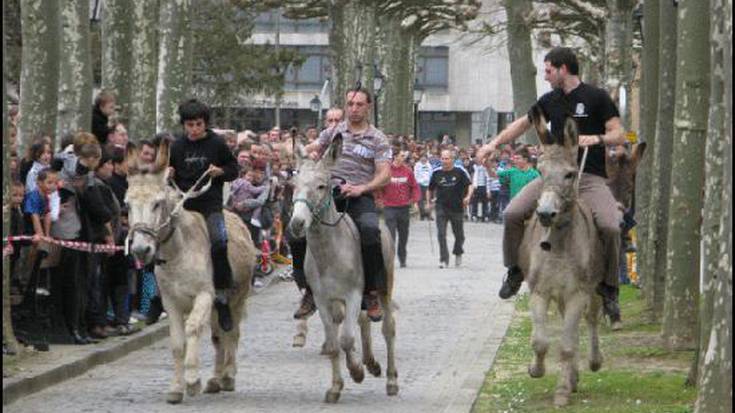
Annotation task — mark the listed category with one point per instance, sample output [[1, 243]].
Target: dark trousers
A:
[[96, 292], [397, 220], [218, 248], [423, 212], [503, 200], [494, 205], [363, 212], [116, 268], [68, 278], [479, 200], [456, 220]]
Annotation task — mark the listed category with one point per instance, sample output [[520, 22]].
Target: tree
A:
[[687, 177], [75, 71], [714, 367], [40, 23], [174, 62], [13, 45], [649, 107], [618, 59], [144, 62], [117, 32], [654, 269], [520, 52], [8, 335]]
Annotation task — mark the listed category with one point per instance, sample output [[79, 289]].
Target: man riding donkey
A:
[[362, 168], [201, 151], [598, 122]]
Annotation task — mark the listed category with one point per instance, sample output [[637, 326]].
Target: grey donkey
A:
[[177, 240], [333, 268], [563, 258]]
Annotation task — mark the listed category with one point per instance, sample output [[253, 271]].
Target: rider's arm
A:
[[517, 128], [381, 178], [614, 133]]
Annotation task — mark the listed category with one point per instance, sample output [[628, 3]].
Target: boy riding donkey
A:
[[362, 168], [598, 122]]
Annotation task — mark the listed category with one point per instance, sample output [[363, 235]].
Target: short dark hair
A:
[[363, 91], [146, 142], [524, 153], [118, 156], [44, 173], [560, 56], [160, 137], [193, 109]]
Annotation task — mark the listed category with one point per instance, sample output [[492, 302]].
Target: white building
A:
[[468, 92]]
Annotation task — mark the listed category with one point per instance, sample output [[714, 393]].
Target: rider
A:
[[598, 122], [364, 165], [197, 152]]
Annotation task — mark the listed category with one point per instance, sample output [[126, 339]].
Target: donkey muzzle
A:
[[546, 216]]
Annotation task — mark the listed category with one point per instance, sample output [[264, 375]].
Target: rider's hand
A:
[[589, 140], [485, 151], [171, 172], [353, 191], [215, 171]]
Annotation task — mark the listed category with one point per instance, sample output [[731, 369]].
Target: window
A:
[[266, 22], [432, 67], [314, 71]]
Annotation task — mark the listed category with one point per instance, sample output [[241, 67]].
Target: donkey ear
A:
[[299, 153], [162, 156], [570, 133], [538, 121], [131, 158], [333, 152]]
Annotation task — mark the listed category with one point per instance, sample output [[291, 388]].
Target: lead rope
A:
[[581, 168]]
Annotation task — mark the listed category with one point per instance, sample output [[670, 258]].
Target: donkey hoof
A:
[[192, 389], [332, 396], [227, 383], [391, 389], [536, 371], [174, 397], [357, 374], [595, 365], [299, 340], [561, 400], [616, 326], [373, 367], [212, 386]]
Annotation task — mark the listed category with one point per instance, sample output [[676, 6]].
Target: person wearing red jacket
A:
[[396, 198]]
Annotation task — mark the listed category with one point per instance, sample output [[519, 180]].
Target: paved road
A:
[[450, 324]]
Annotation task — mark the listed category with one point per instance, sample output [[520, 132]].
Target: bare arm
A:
[[381, 179], [509, 134], [614, 135]]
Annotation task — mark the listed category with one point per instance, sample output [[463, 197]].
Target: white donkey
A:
[[334, 272], [563, 256], [177, 240]]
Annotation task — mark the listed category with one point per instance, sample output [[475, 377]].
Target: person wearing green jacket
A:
[[520, 174]]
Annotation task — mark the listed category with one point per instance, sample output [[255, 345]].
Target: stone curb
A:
[[101, 353]]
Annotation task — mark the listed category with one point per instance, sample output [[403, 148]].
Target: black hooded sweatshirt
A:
[[190, 159], [99, 125]]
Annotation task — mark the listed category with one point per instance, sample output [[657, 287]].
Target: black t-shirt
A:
[[450, 187], [591, 107]]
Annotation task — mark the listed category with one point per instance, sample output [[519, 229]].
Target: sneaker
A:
[[224, 315], [97, 332], [512, 283], [372, 304], [258, 282], [307, 307], [457, 260], [443, 264], [154, 311], [42, 292]]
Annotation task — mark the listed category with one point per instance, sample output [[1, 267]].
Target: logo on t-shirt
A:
[[579, 111]]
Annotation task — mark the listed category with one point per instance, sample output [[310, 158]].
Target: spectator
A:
[[422, 174], [481, 194], [520, 174], [147, 152], [452, 188], [245, 200], [334, 117], [117, 138], [104, 108], [36, 204], [494, 187]]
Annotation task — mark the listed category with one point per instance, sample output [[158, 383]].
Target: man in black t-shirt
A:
[[598, 122], [452, 189]]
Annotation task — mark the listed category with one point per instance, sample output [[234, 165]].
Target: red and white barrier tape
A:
[[75, 245]]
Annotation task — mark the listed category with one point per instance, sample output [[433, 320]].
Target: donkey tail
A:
[[337, 310]]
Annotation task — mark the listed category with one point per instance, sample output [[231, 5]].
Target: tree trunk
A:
[[655, 267], [174, 62], [144, 70], [522, 66], [397, 49], [714, 367], [39, 83], [687, 178], [352, 39], [117, 32], [75, 78], [618, 60], [8, 334], [649, 107]]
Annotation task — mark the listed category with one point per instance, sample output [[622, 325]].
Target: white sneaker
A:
[[258, 283], [443, 264], [457, 260], [163, 315]]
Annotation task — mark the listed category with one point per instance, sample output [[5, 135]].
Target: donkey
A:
[[177, 241], [334, 271], [562, 255]]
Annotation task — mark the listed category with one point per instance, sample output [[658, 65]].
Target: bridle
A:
[[318, 209], [155, 232]]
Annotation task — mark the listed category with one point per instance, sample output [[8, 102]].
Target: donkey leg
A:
[[389, 333], [232, 340], [198, 318], [593, 319], [574, 308], [368, 359], [178, 347], [539, 339], [331, 349], [302, 327], [214, 383], [347, 338]]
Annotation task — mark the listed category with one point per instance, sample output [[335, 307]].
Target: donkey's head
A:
[[558, 167], [148, 204], [313, 187]]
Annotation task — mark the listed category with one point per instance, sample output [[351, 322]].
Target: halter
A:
[[316, 212], [154, 232]]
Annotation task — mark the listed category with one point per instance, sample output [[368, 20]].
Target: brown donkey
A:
[[562, 256]]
